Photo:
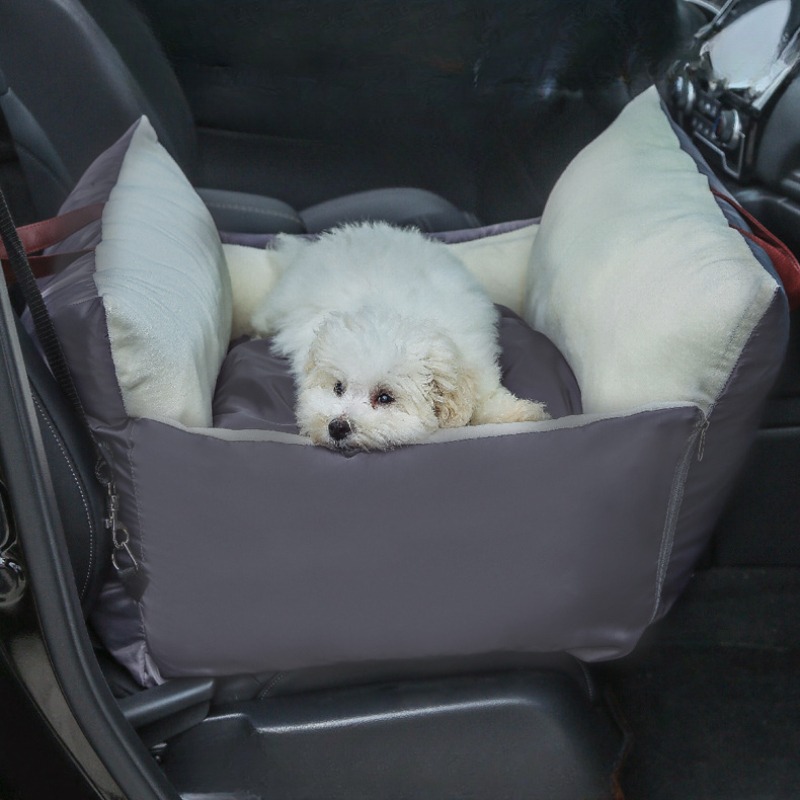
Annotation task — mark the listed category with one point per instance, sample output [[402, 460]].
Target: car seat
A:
[[77, 75]]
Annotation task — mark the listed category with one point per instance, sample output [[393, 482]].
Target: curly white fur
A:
[[388, 337]]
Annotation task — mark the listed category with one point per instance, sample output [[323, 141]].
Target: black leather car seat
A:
[[77, 75]]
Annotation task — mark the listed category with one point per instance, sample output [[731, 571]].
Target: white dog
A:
[[389, 337]]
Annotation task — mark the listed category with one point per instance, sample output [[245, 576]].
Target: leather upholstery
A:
[[78, 494], [422, 209], [103, 59], [240, 211]]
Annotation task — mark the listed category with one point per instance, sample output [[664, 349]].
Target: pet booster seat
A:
[[654, 330]]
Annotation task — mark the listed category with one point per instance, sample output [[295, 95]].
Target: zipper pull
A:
[[120, 537], [119, 533], [127, 568]]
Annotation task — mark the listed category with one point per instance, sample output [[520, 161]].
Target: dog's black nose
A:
[[339, 429]]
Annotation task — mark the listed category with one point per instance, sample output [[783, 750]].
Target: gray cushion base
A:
[[301, 557]]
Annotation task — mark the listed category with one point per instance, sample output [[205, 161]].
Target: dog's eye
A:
[[338, 388], [384, 398]]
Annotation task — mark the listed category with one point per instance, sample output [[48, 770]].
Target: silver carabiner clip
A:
[[122, 539]]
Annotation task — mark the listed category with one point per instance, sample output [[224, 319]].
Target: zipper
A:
[[701, 444], [676, 503]]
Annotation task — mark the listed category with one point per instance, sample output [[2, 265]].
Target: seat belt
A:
[[783, 259], [122, 557], [40, 235]]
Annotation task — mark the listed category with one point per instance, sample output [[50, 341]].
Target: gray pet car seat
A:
[[452, 597], [571, 535], [108, 64]]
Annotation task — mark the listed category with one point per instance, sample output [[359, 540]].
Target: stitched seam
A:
[[713, 404], [588, 683], [136, 502], [674, 507], [486, 232], [107, 336], [78, 484], [664, 569], [147, 650], [86, 301], [271, 684], [253, 209]]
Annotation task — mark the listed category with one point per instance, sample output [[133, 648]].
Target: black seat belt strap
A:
[[123, 559]]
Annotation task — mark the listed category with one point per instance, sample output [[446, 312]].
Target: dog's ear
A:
[[453, 388], [312, 358], [319, 350]]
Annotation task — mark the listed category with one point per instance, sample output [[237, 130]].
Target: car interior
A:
[[292, 118]]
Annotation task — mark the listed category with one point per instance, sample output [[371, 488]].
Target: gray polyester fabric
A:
[[275, 556], [258, 554]]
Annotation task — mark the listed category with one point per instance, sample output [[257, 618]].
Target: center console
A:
[[723, 91]]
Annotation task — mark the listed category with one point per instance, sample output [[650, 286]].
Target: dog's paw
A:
[[520, 410], [528, 411], [503, 406]]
